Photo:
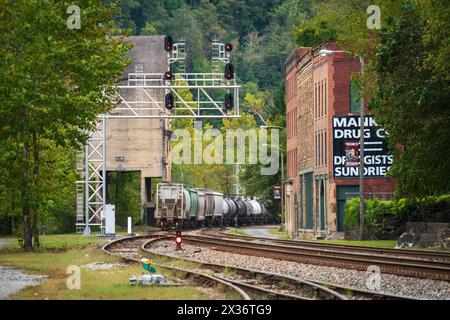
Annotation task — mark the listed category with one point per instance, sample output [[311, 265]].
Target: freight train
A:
[[187, 207]]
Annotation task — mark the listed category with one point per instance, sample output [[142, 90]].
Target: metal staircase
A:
[[79, 225]]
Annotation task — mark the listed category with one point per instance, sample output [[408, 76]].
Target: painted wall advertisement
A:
[[346, 131]]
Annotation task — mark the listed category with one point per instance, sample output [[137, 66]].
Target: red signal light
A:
[[169, 101], [228, 101], [229, 71], [228, 47], [168, 75], [168, 43], [178, 240]]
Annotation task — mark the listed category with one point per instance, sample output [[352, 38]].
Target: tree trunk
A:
[[35, 182], [36, 228], [25, 192], [27, 241]]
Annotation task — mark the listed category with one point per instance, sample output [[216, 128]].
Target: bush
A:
[[430, 209], [375, 210]]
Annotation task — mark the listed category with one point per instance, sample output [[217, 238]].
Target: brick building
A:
[[320, 98], [292, 134]]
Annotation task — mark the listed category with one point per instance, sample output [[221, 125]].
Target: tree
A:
[[411, 97], [405, 81], [54, 81]]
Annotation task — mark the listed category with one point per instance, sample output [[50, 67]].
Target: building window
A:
[[326, 97], [315, 101], [318, 149], [319, 100], [354, 101], [325, 148], [321, 149], [316, 142]]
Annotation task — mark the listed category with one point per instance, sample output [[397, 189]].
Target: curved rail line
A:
[[255, 280], [128, 249], [131, 254], [439, 270]]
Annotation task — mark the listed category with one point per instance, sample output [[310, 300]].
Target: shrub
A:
[[430, 209]]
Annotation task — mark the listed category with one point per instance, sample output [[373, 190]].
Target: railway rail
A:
[[407, 253], [242, 281], [263, 283], [293, 283], [128, 249], [438, 268]]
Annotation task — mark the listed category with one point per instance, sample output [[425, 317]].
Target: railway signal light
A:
[[228, 101], [169, 101], [178, 240], [168, 43], [228, 47], [229, 71], [168, 75]]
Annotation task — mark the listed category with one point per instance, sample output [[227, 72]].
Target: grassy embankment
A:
[[388, 244], [238, 232], [280, 233], [57, 252]]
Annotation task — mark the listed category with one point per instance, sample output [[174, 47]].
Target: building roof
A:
[[294, 57], [297, 54]]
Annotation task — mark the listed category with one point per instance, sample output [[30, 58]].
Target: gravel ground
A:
[[102, 266], [12, 280], [407, 286]]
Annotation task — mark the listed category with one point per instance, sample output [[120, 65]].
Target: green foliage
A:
[[313, 32], [53, 83], [262, 35], [416, 83], [124, 190], [374, 210], [406, 80], [428, 209]]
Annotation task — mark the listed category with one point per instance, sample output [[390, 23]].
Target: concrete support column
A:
[[143, 198]]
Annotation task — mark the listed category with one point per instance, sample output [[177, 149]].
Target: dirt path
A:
[[261, 232]]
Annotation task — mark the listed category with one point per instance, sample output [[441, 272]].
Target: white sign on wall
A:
[[346, 134]]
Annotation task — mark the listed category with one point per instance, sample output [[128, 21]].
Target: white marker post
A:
[[129, 226]]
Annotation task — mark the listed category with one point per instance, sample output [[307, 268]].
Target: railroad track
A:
[[128, 249], [438, 269], [293, 283], [262, 283], [407, 253], [245, 282]]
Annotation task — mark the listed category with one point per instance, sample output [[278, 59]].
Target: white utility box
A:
[[110, 219]]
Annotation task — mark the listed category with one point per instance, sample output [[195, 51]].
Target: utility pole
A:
[[282, 170], [282, 187], [361, 161]]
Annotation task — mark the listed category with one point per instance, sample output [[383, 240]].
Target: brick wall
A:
[[322, 91]]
